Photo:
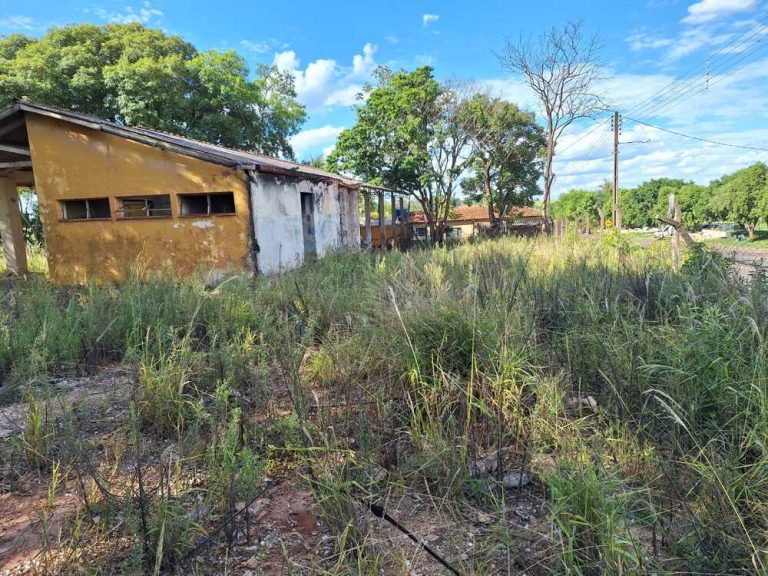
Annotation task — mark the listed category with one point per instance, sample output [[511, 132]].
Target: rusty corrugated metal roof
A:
[[180, 144]]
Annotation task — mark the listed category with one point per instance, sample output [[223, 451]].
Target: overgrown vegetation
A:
[[740, 197], [634, 397]]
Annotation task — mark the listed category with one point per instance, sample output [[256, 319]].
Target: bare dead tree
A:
[[561, 66]]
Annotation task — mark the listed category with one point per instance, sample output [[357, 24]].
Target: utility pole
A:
[[616, 207]]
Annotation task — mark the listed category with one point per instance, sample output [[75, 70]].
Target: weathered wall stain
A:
[[71, 162]]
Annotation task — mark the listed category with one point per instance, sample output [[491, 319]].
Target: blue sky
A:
[[332, 47]]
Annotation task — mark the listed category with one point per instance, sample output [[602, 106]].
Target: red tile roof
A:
[[479, 213]]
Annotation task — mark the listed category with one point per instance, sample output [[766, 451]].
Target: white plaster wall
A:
[[327, 215], [276, 209], [349, 201], [276, 205]]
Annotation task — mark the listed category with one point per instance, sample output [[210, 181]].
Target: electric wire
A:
[[700, 139], [683, 84]]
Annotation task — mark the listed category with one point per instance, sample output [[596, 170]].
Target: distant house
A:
[[113, 197], [467, 221]]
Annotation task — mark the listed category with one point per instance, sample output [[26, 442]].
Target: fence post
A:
[[368, 231]]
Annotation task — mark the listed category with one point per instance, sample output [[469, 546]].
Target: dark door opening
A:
[[308, 225]]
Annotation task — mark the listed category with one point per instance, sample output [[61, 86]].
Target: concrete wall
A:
[[349, 200], [276, 202], [11, 233], [277, 223], [73, 162]]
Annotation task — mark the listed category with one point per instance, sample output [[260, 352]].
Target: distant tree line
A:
[[740, 197]]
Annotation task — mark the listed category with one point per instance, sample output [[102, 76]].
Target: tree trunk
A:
[[751, 229], [549, 177], [487, 191], [601, 215]]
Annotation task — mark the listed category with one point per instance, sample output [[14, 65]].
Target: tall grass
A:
[[435, 359]]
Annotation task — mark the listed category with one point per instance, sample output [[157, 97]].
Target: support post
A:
[[403, 225], [11, 233], [368, 231], [616, 207], [382, 226], [392, 226]]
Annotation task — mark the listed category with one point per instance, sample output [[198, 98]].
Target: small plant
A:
[[37, 437], [165, 396], [589, 513]]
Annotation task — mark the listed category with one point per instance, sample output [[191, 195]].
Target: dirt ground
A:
[[281, 532], [746, 260]]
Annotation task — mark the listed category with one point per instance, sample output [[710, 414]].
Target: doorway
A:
[[308, 225]]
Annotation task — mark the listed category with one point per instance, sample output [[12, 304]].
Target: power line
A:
[[586, 135], [705, 86], [708, 141], [680, 86]]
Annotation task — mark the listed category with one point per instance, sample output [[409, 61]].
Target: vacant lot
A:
[[535, 407]]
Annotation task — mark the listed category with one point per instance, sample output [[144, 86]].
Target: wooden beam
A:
[[21, 150], [392, 226], [403, 239], [368, 231], [382, 228], [11, 126], [19, 164]]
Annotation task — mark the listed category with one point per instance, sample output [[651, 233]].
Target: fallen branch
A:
[[379, 512]]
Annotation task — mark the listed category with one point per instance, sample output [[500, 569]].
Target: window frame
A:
[[87, 201], [207, 195], [121, 210]]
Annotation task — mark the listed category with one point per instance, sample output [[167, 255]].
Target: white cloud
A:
[[326, 83], [258, 47], [687, 42], [732, 110], [643, 41], [427, 19], [314, 139], [18, 23], [144, 14], [709, 10]]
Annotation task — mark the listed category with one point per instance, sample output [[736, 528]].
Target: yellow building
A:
[[116, 200]]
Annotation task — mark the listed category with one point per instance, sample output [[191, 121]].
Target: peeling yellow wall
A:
[[72, 162]]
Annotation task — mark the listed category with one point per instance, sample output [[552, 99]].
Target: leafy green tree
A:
[[139, 76], [695, 204], [506, 159], [409, 135], [575, 204], [31, 224], [743, 195], [641, 205]]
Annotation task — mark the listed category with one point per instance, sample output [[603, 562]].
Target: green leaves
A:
[[576, 204], [389, 143], [138, 76], [418, 136], [743, 195], [507, 148]]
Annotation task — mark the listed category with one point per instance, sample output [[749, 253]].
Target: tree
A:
[[409, 135], [133, 75], [640, 205], [743, 195], [695, 203], [603, 201], [576, 204], [507, 146], [561, 67]]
